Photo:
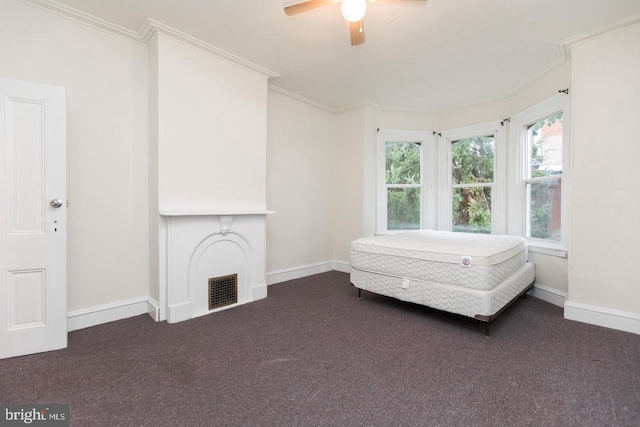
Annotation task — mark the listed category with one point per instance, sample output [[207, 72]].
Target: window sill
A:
[[547, 250], [385, 232]]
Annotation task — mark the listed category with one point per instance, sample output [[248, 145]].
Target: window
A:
[[471, 195], [472, 178], [543, 180], [539, 154], [404, 199], [403, 180]]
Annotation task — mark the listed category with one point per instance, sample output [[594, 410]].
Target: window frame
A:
[[427, 176], [498, 186], [520, 164]]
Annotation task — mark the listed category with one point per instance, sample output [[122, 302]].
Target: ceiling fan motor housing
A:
[[354, 10]]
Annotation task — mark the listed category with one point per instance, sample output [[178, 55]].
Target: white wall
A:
[[152, 173], [348, 200], [369, 193], [212, 129], [541, 88], [405, 120], [300, 165], [485, 112], [605, 237], [106, 81]]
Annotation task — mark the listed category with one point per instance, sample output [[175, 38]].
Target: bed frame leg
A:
[[486, 329], [359, 293]]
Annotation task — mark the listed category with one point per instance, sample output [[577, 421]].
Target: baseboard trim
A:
[[341, 266], [179, 312], [286, 274], [293, 273], [85, 318], [153, 308], [549, 295], [599, 316], [258, 292]]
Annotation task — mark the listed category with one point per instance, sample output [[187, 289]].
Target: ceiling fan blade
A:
[[304, 6], [356, 29]]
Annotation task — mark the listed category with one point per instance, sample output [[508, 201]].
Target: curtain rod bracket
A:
[[566, 91], [508, 119], [436, 133]]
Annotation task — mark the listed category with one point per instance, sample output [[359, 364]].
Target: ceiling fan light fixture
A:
[[353, 10]]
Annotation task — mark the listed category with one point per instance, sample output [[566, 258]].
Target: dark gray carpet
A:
[[312, 354]]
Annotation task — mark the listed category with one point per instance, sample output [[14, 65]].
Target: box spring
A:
[[454, 299]]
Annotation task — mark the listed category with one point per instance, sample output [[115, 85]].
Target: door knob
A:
[[55, 203]]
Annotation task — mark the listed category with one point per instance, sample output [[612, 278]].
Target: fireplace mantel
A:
[[185, 210], [201, 242]]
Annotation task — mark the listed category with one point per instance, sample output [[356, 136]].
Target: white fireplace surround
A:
[[197, 244]]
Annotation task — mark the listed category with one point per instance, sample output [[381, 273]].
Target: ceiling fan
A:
[[352, 10]]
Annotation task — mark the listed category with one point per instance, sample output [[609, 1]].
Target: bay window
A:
[[477, 182]]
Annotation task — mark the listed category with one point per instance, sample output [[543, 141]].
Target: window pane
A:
[[472, 209], [402, 163], [472, 160], [544, 209], [546, 146], [403, 208]]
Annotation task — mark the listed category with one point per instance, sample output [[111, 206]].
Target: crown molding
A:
[[152, 27], [360, 105], [322, 106], [301, 98], [146, 32], [565, 46], [85, 18]]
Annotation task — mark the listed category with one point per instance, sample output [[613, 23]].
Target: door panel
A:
[[33, 315], [27, 299], [25, 166]]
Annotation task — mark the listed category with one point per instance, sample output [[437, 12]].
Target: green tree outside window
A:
[[472, 162]]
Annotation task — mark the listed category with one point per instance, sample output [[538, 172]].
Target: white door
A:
[[33, 297]]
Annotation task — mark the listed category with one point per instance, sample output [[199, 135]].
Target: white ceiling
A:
[[426, 56]]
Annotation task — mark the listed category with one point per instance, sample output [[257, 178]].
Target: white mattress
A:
[[473, 261], [453, 299]]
